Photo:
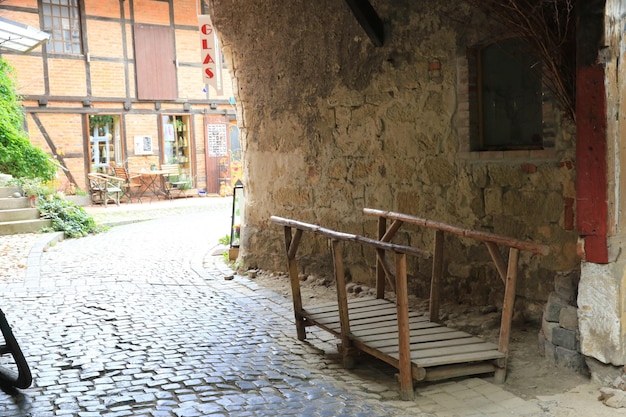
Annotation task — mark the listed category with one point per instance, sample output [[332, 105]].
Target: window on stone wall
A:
[[105, 142], [506, 98], [61, 18]]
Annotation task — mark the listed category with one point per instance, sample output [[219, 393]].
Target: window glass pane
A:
[[61, 18], [105, 142], [511, 97]]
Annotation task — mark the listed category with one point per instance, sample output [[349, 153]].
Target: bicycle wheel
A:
[[16, 372]]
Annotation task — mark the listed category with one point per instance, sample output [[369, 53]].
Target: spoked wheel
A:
[[14, 371]]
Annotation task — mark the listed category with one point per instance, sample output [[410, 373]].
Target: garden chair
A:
[[130, 189], [173, 183], [104, 188]]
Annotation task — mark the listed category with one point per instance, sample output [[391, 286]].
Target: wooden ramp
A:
[[419, 347], [436, 352]]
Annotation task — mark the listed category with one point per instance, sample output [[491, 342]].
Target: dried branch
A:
[[548, 28]]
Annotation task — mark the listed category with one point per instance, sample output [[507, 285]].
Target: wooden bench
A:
[[416, 344], [104, 188]]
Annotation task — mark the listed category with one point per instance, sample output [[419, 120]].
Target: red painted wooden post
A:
[[591, 162]]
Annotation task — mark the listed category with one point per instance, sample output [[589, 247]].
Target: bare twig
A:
[[547, 27]]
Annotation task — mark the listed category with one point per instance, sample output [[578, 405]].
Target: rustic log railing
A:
[[303, 319], [419, 348], [507, 271]]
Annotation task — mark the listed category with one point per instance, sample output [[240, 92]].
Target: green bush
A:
[[68, 217], [18, 157]]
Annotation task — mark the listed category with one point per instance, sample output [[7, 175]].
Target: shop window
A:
[[506, 110], [61, 18], [105, 142], [177, 144]]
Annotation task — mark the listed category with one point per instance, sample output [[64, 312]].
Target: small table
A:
[[153, 181]]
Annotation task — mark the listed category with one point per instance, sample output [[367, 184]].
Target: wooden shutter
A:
[[155, 65]]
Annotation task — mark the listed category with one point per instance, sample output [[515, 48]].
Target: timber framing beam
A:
[[368, 19]]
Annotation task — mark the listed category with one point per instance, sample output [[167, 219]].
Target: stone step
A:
[[14, 203], [24, 226], [19, 214], [9, 191]]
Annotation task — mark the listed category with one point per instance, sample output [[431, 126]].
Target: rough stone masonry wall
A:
[[331, 124]]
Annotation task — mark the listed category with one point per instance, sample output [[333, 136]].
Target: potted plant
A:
[[34, 188]]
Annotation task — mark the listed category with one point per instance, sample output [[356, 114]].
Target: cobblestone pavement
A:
[[140, 321]]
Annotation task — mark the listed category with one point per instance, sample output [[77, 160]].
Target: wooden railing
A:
[[409, 371], [506, 270]]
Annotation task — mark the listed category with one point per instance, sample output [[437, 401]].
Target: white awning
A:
[[19, 37]]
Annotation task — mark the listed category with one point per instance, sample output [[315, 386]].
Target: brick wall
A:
[[67, 77], [105, 39], [104, 81]]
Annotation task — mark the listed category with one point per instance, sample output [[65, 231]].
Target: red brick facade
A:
[[61, 91]]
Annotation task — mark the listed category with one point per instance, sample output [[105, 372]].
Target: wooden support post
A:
[[497, 259], [507, 311], [435, 280], [342, 302], [389, 234], [291, 247], [380, 256], [404, 341]]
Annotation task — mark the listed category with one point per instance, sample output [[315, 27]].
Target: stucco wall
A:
[[331, 124]]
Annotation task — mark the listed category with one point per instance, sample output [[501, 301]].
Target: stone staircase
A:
[[16, 215]]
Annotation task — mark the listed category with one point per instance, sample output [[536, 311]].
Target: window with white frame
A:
[[61, 18], [105, 142]]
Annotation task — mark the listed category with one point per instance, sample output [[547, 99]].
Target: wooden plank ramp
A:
[[436, 351]]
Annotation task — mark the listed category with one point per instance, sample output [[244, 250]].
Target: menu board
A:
[[216, 138]]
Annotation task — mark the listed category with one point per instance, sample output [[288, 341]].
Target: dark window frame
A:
[[480, 96]]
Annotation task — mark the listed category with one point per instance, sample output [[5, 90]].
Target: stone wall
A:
[[559, 339], [331, 124]]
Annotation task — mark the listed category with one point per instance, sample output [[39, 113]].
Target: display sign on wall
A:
[[216, 140], [143, 145], [211, 56]]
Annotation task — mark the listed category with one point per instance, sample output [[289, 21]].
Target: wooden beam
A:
[[404, 343], [349, 237], [342, 302], [293, 246], [380, 258], [435, 280], [368, 19], [53, 148], [497, 259], [296, 295], [507, 311], [522, 245]]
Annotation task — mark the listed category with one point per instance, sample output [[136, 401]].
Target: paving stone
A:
[[165, 335]]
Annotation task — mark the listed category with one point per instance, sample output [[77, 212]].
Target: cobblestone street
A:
[[139, 321]]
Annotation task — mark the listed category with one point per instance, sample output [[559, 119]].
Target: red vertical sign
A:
[[211, 57]]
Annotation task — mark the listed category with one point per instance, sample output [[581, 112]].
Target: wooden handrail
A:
[[522, 245], [349, 237]]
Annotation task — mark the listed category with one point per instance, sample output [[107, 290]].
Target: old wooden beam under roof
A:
[[368, 19]]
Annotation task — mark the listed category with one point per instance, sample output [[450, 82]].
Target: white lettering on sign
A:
[[211, 61]]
